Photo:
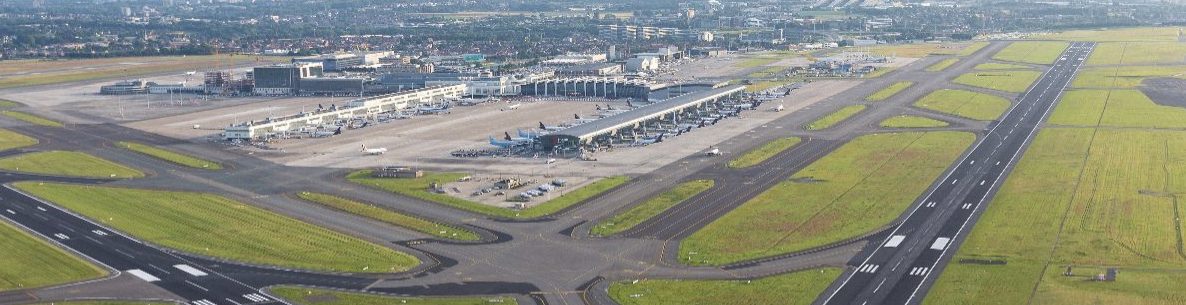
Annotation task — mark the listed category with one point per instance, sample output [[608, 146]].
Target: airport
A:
[[583, 178]]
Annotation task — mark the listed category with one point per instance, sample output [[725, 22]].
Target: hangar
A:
[[586, 134]]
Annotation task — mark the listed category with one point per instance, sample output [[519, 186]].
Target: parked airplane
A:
[[512, 107], [443, 108], [508, 141], [191, 72], [373, 151], [549, 128], [778, 108], [648, 140]]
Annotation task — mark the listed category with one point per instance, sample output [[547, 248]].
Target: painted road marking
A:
[[10, 212], [232, 301], [255, 297], [41, 208], [940, 243], [99, 232], [981, 182], [919, 271], [954, 181], [869, 268], [196, 285], [894, 241], [190, 269], [61, 236], [967, 206], [203, 302], [931, 204], [998, 163], [143, 275]]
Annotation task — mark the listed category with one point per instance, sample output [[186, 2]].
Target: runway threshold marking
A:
[[143, 275], [919, 271], [940, 243], [10, 212], [255, 297], [190, 269], [894, 241], [99, 232], [61, 236], [203, 302]]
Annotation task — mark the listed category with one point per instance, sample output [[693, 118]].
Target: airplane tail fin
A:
[[506, 135], [541, 125]]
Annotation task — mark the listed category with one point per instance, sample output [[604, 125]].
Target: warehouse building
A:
[[283, 79], [590, 86]]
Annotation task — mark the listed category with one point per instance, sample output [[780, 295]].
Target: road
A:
[[201, 281], [900, 269]]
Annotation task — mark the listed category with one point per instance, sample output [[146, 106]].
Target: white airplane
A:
[[190, 73], [778, 108], [373, 151], [512, 107]]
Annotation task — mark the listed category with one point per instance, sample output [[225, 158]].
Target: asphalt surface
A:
[[901, 268]]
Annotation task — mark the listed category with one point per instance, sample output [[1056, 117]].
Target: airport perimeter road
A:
[[200, 281], [900, 269]]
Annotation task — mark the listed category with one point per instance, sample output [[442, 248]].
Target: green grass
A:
[[212, 225], [942, 65], [1124, 76], [1015, 81], [10, 139], [968, 104], [972, 48], [1116, 108], [650, 208], [910, 121], [800, 287], [30, 118], [999, 66], [856, 189], [170, 156], [30, 262], [68, 164], [1169, 34], [315, 296], [8, 104], [768, 72], [1033, 52], [418, 188], [17, 73], [758, 155], [391, 217], [1133, 53], [835, 117], [888, 91], [763, 85], [1083, 197], [754, 62], [106, 303]]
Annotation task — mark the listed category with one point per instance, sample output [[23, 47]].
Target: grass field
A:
[[391, 217], [914, 50], [8, 104], [106, 303], [1082, 197], [758, 155], [1124, 76], [800, 287], [315, 296], [1034, 52], [754, 62], [418, 188], [1116, 108], [213, 225], [910, 121], [972, 48], [999, 66], [30, 262], [10, 139], [1015, 81], [30, 118], [649, 208], [835, 117], [1169, 34], [763, 85], [768, 72], [18, 73], [856, 189], [968, 104], [1145, 53], [67, 163], [888, 91], [942, 65], [170, 156]]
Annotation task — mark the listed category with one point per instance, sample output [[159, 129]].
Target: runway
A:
[[901, 268]]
